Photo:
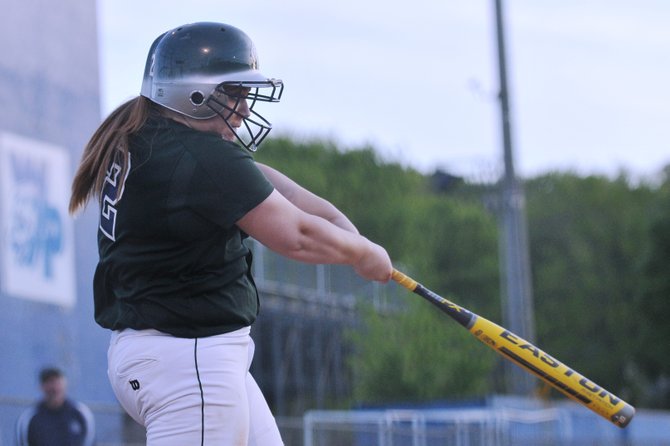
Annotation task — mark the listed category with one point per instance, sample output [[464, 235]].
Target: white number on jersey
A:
[[110, 196]]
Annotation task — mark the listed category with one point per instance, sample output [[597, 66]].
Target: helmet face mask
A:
[[225, 102], [197, 69]]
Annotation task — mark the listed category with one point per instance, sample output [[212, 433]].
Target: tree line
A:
[[599, 250]]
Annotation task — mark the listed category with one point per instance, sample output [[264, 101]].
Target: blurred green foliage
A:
[[600, 259]]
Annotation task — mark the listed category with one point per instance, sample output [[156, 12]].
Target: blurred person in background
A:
[[56, 420]]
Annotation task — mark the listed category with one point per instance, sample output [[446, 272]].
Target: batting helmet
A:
[[192, 70]]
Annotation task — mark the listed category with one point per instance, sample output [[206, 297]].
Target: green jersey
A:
[[171, 257]]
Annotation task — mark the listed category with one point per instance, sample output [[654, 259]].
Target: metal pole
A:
[[517, 291]]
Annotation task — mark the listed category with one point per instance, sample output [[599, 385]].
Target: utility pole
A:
[[515, 262]]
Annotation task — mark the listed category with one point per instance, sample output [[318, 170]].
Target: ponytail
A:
[[108, 143]]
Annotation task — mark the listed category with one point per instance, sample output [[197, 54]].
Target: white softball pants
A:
[[191, 391]]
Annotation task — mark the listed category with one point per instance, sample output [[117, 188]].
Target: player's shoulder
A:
[[212, 151], [205, 142]]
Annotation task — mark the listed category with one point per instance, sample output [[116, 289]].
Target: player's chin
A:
[[229, 133], [228, 136]]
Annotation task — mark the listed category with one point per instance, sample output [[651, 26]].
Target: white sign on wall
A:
[[37, 235]]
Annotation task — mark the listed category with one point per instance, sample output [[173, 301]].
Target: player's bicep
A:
[[275, 222]]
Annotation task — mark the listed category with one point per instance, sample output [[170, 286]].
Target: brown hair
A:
[[108, 143]]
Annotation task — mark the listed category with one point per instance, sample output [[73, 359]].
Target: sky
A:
[[418, 80]]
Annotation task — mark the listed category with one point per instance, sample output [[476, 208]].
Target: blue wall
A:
[[49, 90]]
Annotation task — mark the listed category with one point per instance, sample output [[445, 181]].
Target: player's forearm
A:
[[317, 206], [306, 200], [318, 240], [296, 234], [333, 215], [321, 242]]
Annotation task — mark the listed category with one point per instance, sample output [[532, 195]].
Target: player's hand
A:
[[375, 264]]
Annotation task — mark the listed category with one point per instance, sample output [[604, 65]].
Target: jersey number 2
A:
[[111, 194]]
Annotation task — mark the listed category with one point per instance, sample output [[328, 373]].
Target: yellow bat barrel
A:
[[554, 372], [529, 357]]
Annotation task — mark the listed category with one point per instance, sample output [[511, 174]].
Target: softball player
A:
[[178, 195]]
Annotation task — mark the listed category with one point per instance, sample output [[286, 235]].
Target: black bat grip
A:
[[461, 315]]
